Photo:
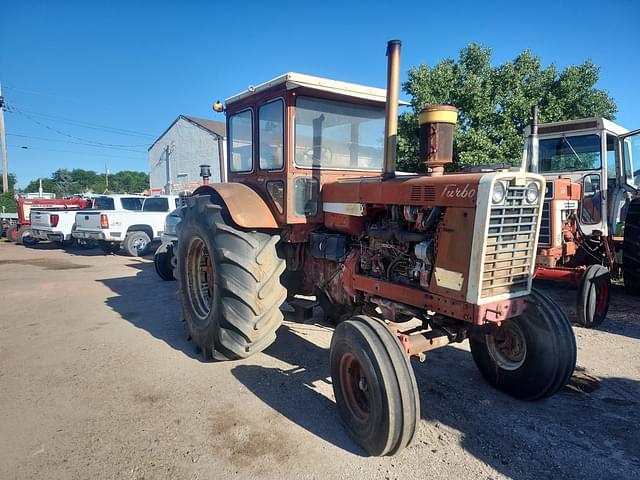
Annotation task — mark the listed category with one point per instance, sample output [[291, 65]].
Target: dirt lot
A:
[[97, 380]]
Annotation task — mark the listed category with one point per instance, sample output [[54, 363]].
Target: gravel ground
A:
[[97, 380]]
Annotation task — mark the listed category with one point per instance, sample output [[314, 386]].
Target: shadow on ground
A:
[[586, 431], [149, 303]]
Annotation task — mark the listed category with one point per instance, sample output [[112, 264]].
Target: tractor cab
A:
[[600, 159], [289, 136]]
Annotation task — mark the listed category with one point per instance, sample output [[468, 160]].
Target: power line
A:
[[90, 154], [74, 143], [48, 127], [90, 125]]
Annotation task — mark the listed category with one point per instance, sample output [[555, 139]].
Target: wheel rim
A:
[[139, 244], [200, 278], [507, 347], [602, 298], [355, 388]]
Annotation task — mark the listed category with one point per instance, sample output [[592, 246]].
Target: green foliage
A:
[[66, 182], [494, 103], [7, 202]]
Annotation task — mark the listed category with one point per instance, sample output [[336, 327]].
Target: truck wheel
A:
[[25, 237], [374, 385], [229, 283], [162, 261], [136, 243], [12, 233], [109, 247], [631, 249], [593, 296], [532, 356]]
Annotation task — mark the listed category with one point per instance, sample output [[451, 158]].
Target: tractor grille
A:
[[509, 253], [545, 224]]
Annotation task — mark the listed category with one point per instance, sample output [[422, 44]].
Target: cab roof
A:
[[593, 123], [294, 80]]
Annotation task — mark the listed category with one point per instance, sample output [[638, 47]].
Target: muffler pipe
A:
[[391, 112]]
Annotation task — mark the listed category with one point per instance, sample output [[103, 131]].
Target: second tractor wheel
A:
[[229, 280], [12, 233], [136, 243], [374, 385], [631, 249], [532, 356], [593, 296], [162, 261]]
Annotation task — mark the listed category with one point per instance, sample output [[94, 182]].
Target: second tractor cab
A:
[[403, 264], [590, 229]]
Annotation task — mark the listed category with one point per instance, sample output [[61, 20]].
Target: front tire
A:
[[593, 296], [136, 243], [229, 283], [532, 356], [162, 261], [374, 385]]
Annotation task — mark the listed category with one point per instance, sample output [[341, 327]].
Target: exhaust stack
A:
[[437, 124], [391, 115]]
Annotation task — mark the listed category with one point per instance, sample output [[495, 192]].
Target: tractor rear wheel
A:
[[25, 237], [12, 233], [631, 249], [162, 260], [229, 283], [374, 385], [532, 356], [594, 295]]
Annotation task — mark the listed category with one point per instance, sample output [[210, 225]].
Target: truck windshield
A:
[[340, 135], [581, 152]]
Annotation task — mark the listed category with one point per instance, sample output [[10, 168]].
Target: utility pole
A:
[[5, 174], [106, 177]]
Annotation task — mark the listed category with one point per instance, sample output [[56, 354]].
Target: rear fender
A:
[[246, 207]]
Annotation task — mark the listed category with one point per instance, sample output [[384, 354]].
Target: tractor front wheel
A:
[[532, 356], [374, 385], [229, 280], [593, 296]]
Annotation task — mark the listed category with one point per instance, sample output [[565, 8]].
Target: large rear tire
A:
[[631, 249], [593, 298], [532, 356], [162, 261], [229, 283], [374, 385]]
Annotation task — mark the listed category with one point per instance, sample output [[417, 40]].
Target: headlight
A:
[[498, 192], [170, 224], [532, 192]]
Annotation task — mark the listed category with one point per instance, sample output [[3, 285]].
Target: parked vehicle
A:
[[20, 231], [314, 206], [590, 227], [132, 229], [164, 258]]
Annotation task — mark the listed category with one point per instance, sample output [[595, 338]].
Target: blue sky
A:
[[70, 68]]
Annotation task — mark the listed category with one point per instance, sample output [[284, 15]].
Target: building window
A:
[[271, 135], [241, 142]]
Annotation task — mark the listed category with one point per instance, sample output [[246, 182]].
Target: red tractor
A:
[[402, 263], [20, 232], [590, 229]]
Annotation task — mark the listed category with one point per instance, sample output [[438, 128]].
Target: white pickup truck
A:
[[58, 225], [131, 230]]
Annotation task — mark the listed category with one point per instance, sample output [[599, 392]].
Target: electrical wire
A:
[[90, 154], [59, 132], [72, 142]]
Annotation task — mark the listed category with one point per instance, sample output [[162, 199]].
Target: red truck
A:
[[20, 232]]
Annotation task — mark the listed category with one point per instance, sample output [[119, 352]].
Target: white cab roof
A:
[[594, 123], [294, 80]]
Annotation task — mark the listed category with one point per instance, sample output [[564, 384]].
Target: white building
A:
[[175, 157]]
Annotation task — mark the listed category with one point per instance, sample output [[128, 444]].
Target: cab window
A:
[[241, 142], [271, 135], [160, 204], [131, 203], [579, 152], [631, 149], [341, 135], [611, 157]]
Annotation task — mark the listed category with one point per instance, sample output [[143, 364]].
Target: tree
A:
[[494, 103], [66, 182], [7, 202]]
